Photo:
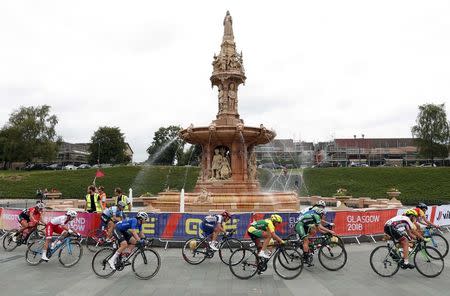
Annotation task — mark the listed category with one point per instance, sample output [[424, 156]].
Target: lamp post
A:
[[362, 136], [354, 137]]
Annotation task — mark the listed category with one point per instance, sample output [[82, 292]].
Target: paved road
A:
[[211, 278]]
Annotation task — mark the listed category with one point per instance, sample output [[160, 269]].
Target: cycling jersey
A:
[[304, 211], [419, 212], [130, 224], [264, 225], [400, 223], [56, 225], [113, 211], [305, 222], [32, 213], [212, 220]]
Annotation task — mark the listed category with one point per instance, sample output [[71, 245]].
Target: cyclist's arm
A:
[[323, 229], [428, 222], [220, 227], [135, 234], [276, 237]]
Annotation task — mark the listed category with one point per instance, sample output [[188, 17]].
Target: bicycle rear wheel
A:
[[8, 243], [429, 262], [34, 236], [384, 262], [247, 265], [100, 265], [332, 256], [227, 247], [146, 264], [439, 242], [70, 253], [194, 250], [290, 263], [96, 240], [34, 252]]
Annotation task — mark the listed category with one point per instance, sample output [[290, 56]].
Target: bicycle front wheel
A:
[[429, 262], [146, 264], [247, 265], [70, 253], [8, 243], [439, 242], [194, 250], [227, 247], [34, 236], [34, 252], [332, 256], [100, 265], [384, 262], [288, 263]]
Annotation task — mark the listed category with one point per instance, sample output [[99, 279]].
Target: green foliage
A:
[[432, 131], [166, 146], [191, 156], [108, 146], [73, 184], [415, 184], [29, 135]]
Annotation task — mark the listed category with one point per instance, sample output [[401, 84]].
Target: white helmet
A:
[[71, 213], [40, 205], [142, 215], [320, 203]]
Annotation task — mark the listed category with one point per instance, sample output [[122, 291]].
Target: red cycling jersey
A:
[[34, 214]]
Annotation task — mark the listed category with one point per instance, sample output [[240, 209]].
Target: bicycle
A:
[[196, 250], [97, 239], [140, 256], [438, 241], [29, 235], [247, 261], [70, 251], [387, 260], [331, 251]]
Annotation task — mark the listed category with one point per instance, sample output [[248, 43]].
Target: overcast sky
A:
[[315, 69]]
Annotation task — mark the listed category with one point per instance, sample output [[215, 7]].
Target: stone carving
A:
[[223, 106], [232, 98], [251, 165], [221, 169], [203, 197], [228, 27]]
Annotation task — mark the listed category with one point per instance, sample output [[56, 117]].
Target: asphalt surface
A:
[[212, 277]]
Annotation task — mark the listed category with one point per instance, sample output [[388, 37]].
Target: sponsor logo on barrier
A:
[[149, 228], [10, 216], [443, 215]]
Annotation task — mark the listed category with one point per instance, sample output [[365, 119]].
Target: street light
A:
[[362, 135]]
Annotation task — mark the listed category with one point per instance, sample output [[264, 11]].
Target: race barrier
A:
[[181, 226]]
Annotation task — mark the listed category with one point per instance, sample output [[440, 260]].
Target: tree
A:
[[432, 131], [29, 135], [192, 155], [107, 146], [166, 146]]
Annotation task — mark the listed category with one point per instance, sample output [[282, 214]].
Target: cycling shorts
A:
[[122, 235], [207, 229], [303, 229], [395, 233], [23, 216], [51, 228]]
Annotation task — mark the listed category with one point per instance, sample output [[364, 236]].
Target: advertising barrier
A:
[[181, 226]]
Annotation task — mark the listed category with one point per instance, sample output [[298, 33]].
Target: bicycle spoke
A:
[[247, 265], [384, 261], [429, 262], [146, 264]]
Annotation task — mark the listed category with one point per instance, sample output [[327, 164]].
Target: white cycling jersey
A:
[[400, 223], [60, 220]]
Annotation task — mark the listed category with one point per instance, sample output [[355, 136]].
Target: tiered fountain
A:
[[228, 178]]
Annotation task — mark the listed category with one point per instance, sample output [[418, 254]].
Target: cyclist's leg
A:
[[266, 236], [302, 232], [110, 229]]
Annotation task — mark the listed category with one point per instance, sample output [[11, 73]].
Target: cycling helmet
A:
[[276, 218], [422, 206], [121, 204], [142, 215], [320, 203], [40, 206], [71, 213], [411, 213], [319, 210], [226, 215]]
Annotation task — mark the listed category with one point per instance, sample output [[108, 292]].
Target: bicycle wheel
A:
[[294, 240], [95, 240], [34, 252], [70, 253], [194, 250], [247, 266], [332, 256], [429, 262], [34, 236], [100, 265], [146, 264], [291, 263], [439, 242], [227, 247], [8, 243], [382, 263]]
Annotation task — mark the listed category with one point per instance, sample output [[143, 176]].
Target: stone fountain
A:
[[228, 178]]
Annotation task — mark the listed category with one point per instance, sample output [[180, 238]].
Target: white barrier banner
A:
[[442, 216]]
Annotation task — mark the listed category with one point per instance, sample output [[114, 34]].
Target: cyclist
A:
[[128, 232], [212, 225], [401, 228], [319, 204], [59, 225], [29, 218], [421, 209], [112, 215], [265, 229], [308, 225]]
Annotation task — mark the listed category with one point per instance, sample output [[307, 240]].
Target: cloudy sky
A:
[[315, 69]]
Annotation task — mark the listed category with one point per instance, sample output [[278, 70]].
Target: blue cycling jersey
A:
[[129, 224]]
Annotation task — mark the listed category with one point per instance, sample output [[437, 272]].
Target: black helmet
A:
[[422, 206]]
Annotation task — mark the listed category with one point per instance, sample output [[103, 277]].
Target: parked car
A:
[[84, 166], [35, 166], [70, 167], [55, 166], [322, 165]]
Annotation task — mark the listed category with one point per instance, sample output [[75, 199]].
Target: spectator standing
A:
[[121, 197], [102, 194], [92, 201]]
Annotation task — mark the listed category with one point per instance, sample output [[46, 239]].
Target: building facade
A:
[[285, 152]]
